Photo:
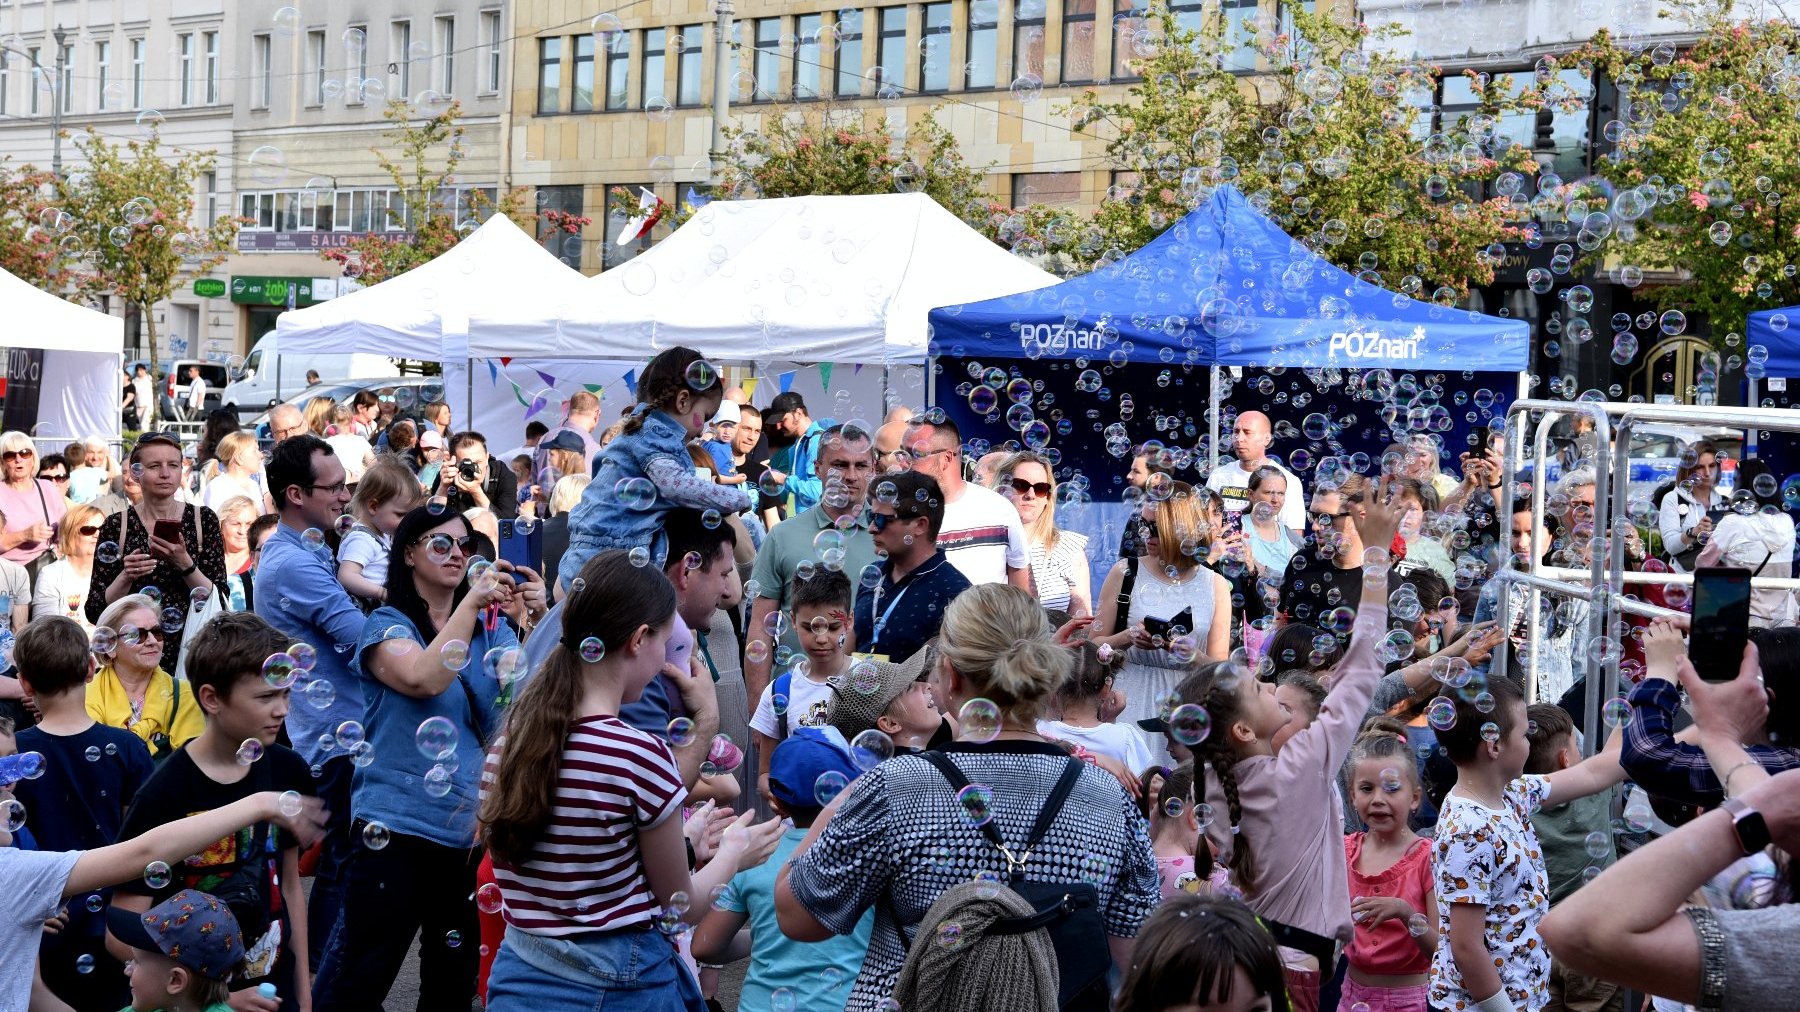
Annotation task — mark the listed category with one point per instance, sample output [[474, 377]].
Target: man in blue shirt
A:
[[297, 591], [897, 613], [804, 483]]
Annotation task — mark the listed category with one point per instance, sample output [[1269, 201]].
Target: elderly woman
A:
[[1059, 565], [133, 690], [235, 517], [62, 586], [879, 845], [31, 506], [1687, 514], [161, 542], [240, 474]]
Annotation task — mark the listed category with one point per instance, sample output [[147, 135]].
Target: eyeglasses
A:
[[55, 477], [1581, 508], [1041, 488], [879, 521], [88, 532], [339, 489], [11, 455], [1328, 519]]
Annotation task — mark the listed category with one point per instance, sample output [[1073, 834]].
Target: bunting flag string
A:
[[825, 375], [786, 380]]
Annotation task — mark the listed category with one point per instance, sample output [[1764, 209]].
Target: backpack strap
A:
[[783, 683], [1125, 585], [1053, 805]]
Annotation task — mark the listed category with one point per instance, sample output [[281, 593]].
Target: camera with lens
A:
[[468, 469]]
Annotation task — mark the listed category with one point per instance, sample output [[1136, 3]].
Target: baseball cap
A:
[[804, 756], [191, 927], [564, 439], [431, 439], [852, 710], [728, 412]]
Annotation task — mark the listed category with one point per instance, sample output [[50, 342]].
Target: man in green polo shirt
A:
[[846, 461]]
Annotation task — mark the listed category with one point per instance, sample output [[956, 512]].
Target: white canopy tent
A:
[[424, 313], [76, 380], [847, 280]]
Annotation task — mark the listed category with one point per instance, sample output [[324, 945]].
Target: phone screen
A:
[[168, 530], [1721, 622]]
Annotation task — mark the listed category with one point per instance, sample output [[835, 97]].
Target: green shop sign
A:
[[209, 288], [264, 291]]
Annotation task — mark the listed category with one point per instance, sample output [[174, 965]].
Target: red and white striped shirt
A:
[[586, 873]]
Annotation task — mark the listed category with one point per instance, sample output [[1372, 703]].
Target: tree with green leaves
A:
[[30, 230], [1703, 179], [130, 229], [1327, 141]]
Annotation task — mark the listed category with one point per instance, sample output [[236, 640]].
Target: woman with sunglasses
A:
[[62, 587], [433, 694], [132, 689], [1059, 563], [139, 558], [31, 507]]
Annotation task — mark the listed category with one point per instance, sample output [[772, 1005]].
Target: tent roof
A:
[[424, 313], [38, 319], [1778, 332], [1226, 286], [806, 279]]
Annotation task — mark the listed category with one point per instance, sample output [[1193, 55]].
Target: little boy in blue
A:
[[89, 774], [718, 444], [646, 470], [819, 974]]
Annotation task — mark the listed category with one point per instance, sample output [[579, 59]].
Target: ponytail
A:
[[665, 378], [1218, 689]]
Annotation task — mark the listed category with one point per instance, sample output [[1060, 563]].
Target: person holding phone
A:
[[1686, 517], [162, 542]]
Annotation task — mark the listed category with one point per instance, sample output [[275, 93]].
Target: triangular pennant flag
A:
[[631, 381], [787, 381], [696, 199], [505, 361], [858, 370], [750, 388], [592, 388], [536, 405], [519, 395], [493, 373], [548, 379], [825, 375]]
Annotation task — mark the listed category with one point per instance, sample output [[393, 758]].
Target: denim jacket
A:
[[600, 522]]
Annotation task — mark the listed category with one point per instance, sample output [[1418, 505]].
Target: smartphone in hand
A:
[[168, 530], [1721, 622]]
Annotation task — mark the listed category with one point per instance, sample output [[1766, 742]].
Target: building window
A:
[[1028, 39], [35, 72], [445, 27], [261, 72], [584, 73], [618, 72], [984, 44], [5, 81], [689, 50], [1128, 21], [1188, 13], [210, 46], [315, 55], [210, 212], [491, 47], [1238, 49], [1046, 188], [890, 50], [850, 53], [103, 73], [550, 75], [806, 55], [1078, 41], [137, 73], [400, 57], [67, 86], [934, 48], [353, 90], [655, 73], [766, 66], [621, 206], [185, 67]]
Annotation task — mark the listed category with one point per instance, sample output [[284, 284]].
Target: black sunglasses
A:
[[440, 543], [173, 439], [879, 521], [55, 477], [1021, 486], [1328, 519], [88, 531]]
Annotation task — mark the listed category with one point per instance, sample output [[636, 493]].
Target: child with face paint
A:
[[802, 696]]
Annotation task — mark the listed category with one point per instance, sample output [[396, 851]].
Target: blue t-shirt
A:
[[896, 619], [722, 457], [88, 782], [828, 968], [393, 790]]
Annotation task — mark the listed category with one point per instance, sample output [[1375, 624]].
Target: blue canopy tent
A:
[[1775, 332], [1223, 287]]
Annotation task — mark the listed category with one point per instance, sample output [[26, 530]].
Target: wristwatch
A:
[[1752, 832]]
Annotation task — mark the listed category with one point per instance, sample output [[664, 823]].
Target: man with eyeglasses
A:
[[297, 591], [1327, 574], [904, 607], [285, 422], [1250, 439], [890, 453], [981, 533]]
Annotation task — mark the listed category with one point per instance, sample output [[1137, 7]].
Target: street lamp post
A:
[[56, 93]]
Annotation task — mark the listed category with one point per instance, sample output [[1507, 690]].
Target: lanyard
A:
[[881, 623]]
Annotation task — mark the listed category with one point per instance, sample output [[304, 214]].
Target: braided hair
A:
[[1218, 688]]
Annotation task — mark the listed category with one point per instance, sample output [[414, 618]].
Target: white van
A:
[[269, 377]]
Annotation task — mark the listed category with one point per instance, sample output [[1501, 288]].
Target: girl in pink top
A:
[[1391, 895]]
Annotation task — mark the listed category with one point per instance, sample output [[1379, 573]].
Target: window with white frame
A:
[[491, 49], [353, 90], [137, 73], [315, 59], [400, 58], [67, 84], [210, 47], [184, 46], [262, 71], [102, 73], [444, 28]]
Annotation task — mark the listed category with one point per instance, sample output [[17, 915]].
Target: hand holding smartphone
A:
[[1721, 622], [167, 530]]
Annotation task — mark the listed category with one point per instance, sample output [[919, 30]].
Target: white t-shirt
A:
[[197, 394], [15, 589], [353, 451], [982, 536], [58, 584], [35, 880], [807, 703], [1232, 483], [369, 548], [1115, 741], [223, 488]]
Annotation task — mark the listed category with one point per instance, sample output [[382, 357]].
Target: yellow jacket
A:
[[179, 719]]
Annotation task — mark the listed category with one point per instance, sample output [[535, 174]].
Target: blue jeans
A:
[[333, 786], [631, 970]]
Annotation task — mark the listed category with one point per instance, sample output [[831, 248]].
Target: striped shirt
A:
[[586, 873], [1053, 570], [982, 537]]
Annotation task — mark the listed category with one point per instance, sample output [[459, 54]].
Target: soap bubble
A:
[[701, 375], [1189, 724], [319, 694], [977, 803], [375, 836], [437, 781], [488, 898], [304, 656], [278, 671], [349, 734], [681, 731], [593, 648], [107, 552], [871, 748], [249, 751], [828, 785], [157, 875], [436, 737], [290, 803], [979, 720]]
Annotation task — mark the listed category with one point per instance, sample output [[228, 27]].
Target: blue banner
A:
[[1777, 332]]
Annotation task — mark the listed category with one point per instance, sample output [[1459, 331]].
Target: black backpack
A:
[[1070, 911]]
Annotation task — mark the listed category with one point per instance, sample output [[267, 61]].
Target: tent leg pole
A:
[[1212, 424], [468, 394]]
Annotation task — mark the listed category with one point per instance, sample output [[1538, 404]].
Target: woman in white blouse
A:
[[62, 586], [1685, 517], [1757, 535], [1059, 563], [240, 474]]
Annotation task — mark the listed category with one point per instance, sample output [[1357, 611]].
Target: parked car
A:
[[269, 376], [406, 393], [1656, 453], [173, 389]]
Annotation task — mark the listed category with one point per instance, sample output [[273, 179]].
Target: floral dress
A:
[[205, 543]]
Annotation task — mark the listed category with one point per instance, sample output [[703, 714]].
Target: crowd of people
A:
[[855, 705]]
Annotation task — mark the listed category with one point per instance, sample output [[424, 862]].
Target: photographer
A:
[[471, 480]]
